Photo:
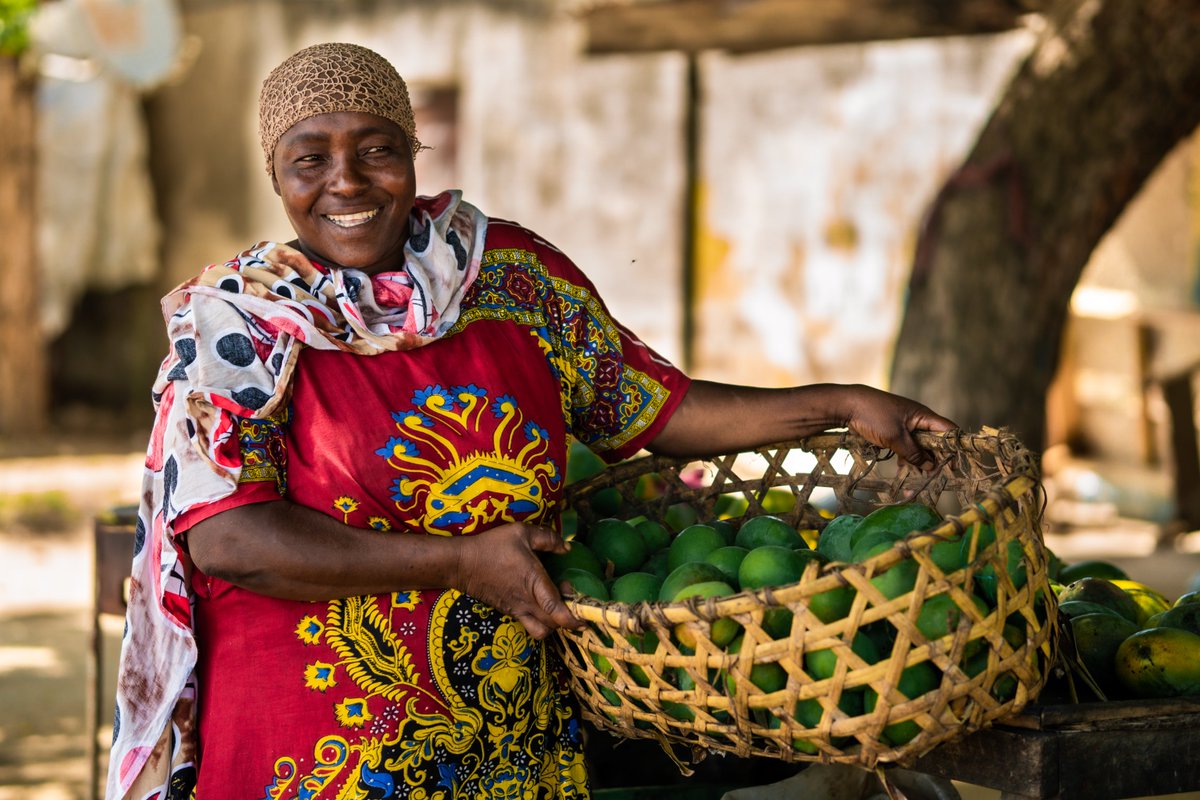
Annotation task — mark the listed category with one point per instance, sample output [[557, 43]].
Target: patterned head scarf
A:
[[328, 78]]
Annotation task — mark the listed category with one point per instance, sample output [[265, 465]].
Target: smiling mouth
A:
[[351, 220]]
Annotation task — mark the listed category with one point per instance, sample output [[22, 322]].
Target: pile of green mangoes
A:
[[636, 560]]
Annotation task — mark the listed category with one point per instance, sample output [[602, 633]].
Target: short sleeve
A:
[[621, 392], [263, 446]]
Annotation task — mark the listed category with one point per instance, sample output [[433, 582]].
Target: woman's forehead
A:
[[338, 123]]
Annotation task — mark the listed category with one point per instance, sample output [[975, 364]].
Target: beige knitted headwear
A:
[[327, 78]]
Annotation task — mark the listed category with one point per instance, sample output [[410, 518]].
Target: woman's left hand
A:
[[723, 418], [889, 420]]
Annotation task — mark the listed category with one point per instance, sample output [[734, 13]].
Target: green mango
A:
[[1104, 593], [834, 539]]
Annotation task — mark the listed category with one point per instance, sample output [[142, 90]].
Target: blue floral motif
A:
[[470, 389], [449, 777], [402, 417], [398, 446], [533, 432], [502, 401], [382, 781], [422, 397], [398, 493]]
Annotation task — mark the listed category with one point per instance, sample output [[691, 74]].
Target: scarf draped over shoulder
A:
[[235, 333]]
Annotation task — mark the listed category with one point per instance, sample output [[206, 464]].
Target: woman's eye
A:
[[376, 150]]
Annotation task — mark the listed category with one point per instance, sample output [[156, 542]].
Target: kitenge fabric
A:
[[235, 332], [428, 690]]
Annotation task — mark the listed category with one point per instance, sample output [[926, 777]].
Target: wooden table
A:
[[1091, 751]]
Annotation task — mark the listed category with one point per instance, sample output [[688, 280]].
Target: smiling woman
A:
[[357, 458], [347, 184]]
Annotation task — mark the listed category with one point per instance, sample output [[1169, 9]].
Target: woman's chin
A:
[[370, 261]]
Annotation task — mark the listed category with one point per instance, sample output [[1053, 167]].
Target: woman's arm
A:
[[282, 549], [722, 418]]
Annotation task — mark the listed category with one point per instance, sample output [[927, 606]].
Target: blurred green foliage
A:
[[14, 25], [39, 512]]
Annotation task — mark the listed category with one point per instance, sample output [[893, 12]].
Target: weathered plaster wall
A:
[[817, 166]]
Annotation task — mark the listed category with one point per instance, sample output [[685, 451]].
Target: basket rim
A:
[[1022, 459], [1021, 480]]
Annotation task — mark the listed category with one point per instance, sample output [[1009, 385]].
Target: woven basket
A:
[[642, 691]]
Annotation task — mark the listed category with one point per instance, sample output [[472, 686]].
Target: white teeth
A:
[[350, 220]]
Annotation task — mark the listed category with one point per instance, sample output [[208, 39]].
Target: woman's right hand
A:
[[285, 550], [500, 567]]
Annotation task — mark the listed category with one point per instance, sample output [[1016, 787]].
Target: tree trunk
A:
[[1110, 87], [23, 381]]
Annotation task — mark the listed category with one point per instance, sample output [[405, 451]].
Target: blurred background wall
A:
[[750, 215], [812, 166]]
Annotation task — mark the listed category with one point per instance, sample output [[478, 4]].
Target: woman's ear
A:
[[275, 182]]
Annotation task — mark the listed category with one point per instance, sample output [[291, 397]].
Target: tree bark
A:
[[1109, 88], [23, 374]]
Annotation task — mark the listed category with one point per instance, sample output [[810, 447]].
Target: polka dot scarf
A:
[[236, 331]]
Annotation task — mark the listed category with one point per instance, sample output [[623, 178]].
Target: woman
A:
[[357, 458]]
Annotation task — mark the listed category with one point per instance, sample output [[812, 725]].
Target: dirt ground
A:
[[47, 507]]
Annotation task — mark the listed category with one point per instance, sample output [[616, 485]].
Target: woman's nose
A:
[[348, 176]]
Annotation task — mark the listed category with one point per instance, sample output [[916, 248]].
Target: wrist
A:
[[832, 405], [459, 562]]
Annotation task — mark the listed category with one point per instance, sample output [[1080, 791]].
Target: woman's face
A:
[[347, 184]]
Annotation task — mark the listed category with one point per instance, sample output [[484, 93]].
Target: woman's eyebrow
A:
[[306, 138]]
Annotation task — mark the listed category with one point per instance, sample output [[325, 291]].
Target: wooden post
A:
[[691, 207], [23, 369], [1185, 466]]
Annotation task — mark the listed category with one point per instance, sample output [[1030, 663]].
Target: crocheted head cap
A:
[[328, 78]]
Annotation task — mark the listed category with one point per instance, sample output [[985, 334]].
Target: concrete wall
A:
[[1152, 250]]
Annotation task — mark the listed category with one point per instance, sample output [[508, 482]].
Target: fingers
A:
[[547, 611], [907, 417], [512, 579], [545, 540], [547, 596], [929, 421], [532, 625], [923, 420], [907, 448]]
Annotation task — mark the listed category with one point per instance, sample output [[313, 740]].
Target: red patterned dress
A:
[[422, 694]]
